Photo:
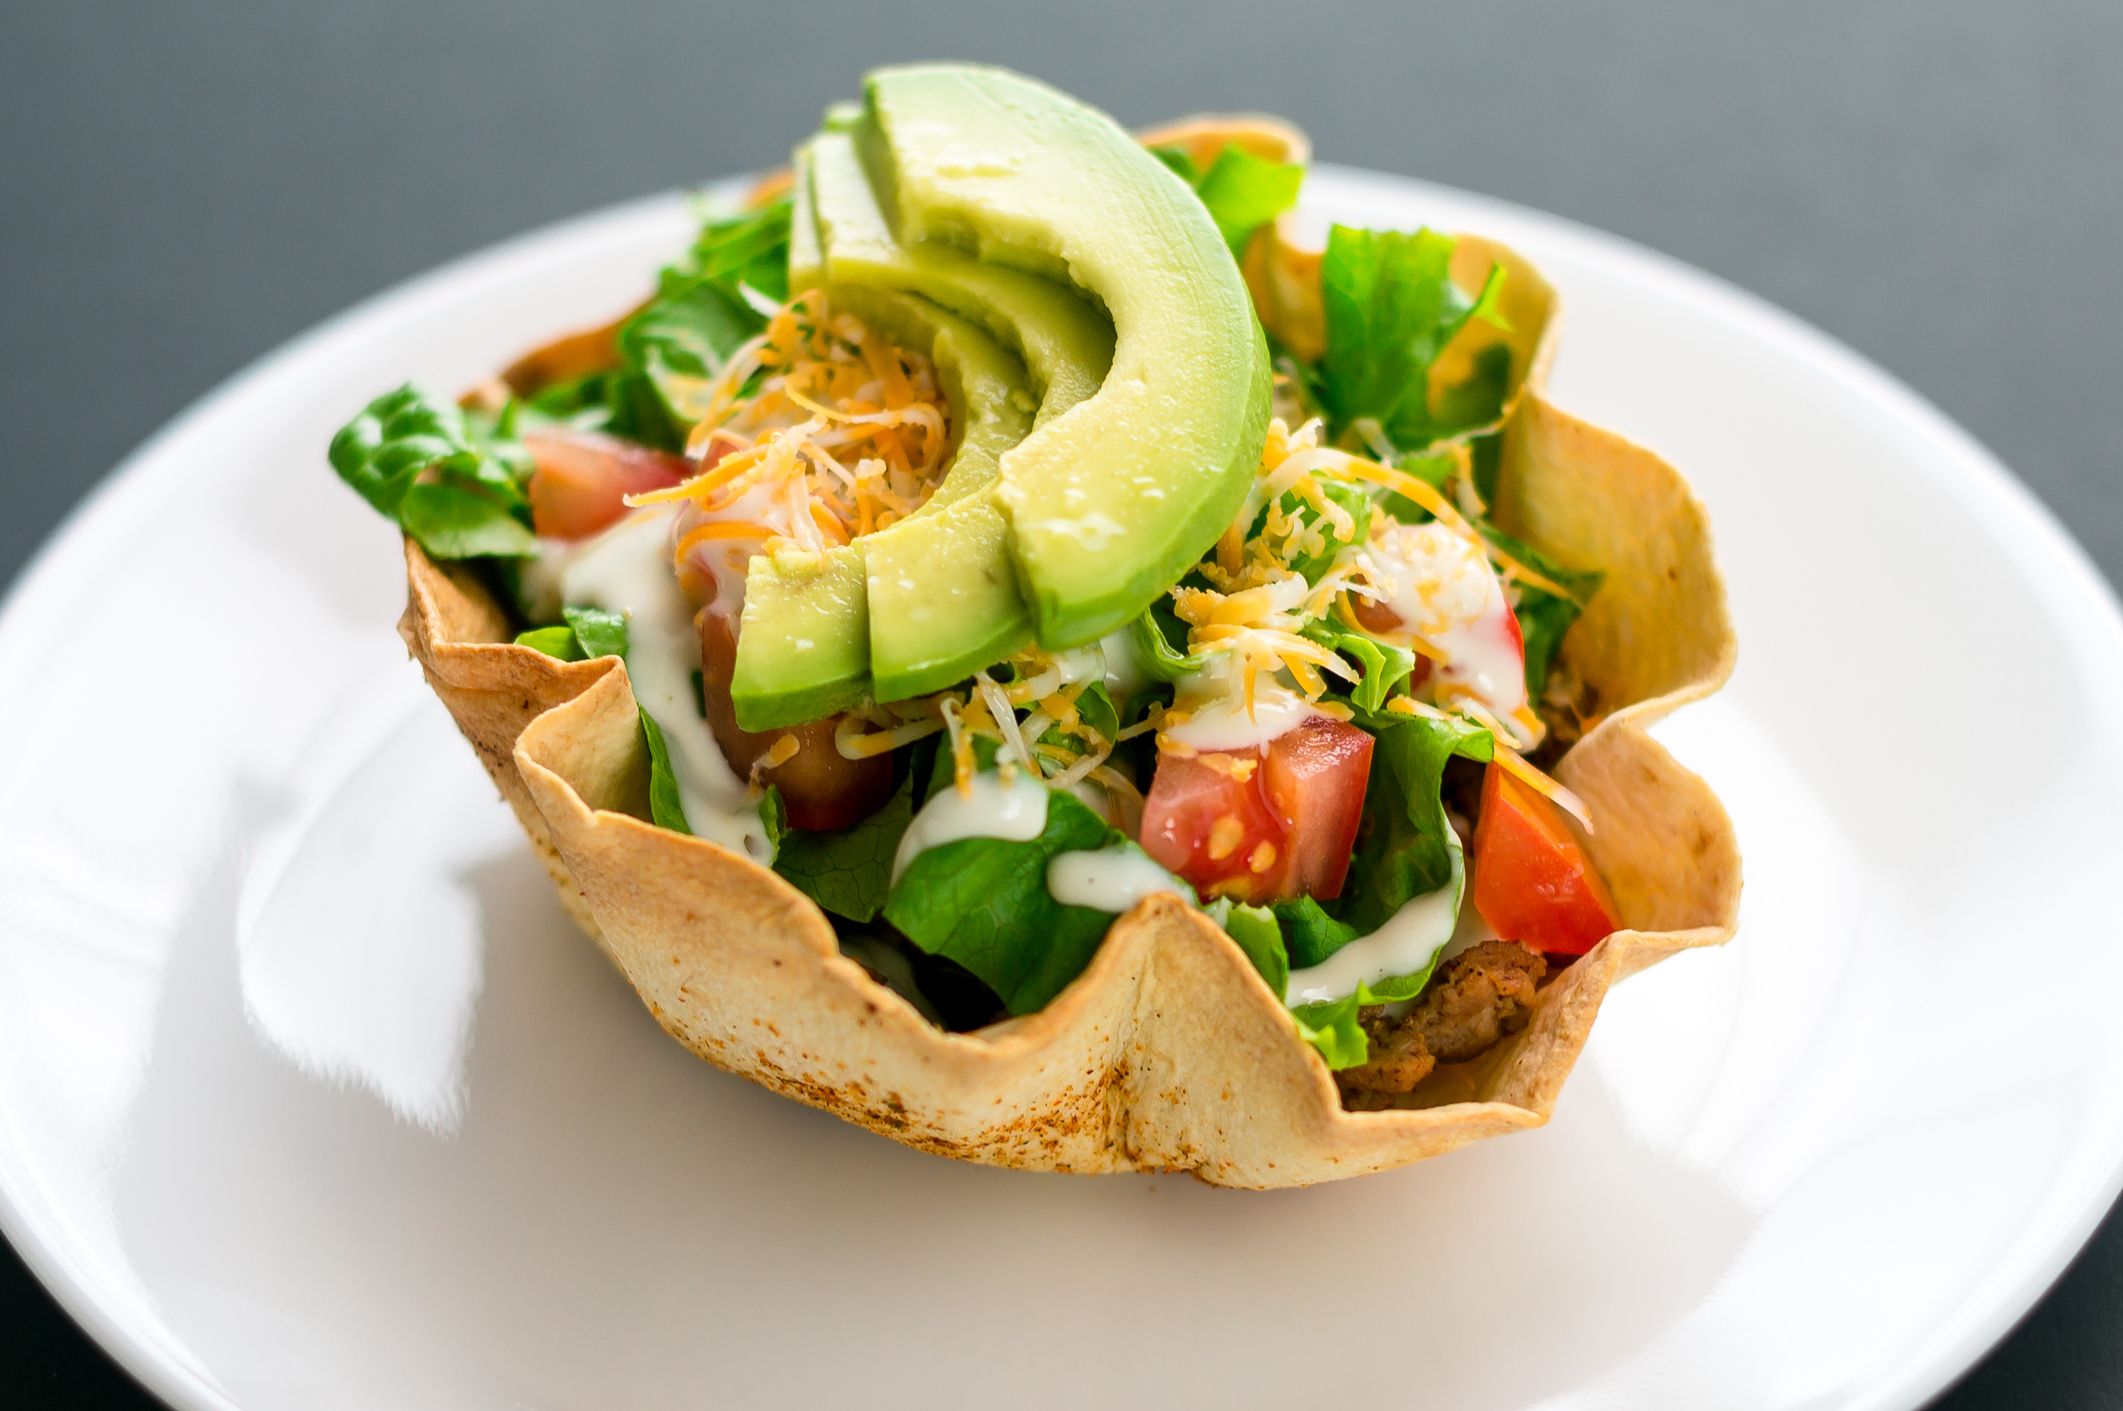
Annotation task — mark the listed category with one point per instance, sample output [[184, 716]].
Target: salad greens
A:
[[593, 632], [1391, 306], [984, 903], [454, 482], [849, 872], [1242, 192], [1405, 842], [707, 304], [666, 809]]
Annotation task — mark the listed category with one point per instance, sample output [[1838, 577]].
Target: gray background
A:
[[186, 183]]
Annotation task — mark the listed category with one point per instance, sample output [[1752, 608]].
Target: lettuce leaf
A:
[[707, 303], [1405, 845], [1332, 1026], [1310, 935], [1242, 192], [556, 641], [666, 808], [1391, 307], [598, 633], [1356, 500], [1152, 633], [849, 872], [585, 633], [1258, 934], [1333, 1030], [1384, 665], [747, 250], [984, 903], [456, 488]]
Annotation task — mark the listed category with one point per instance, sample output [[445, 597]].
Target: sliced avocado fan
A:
[[973, 212], [803, 650], [944, 598], [1112, 501]]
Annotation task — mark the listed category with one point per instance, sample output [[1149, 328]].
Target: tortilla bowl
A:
[[1168, 1053]]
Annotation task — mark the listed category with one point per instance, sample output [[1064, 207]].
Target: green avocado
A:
[[807, 262], [804, 647], [943, 591], [1067, 345], [1109, 503]]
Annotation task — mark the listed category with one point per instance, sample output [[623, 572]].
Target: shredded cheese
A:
[[815, 432]]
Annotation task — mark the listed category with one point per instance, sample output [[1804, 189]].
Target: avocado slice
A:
[[804, 648], [1111, 502], [1066, 344], [943, 590], [807, 261]]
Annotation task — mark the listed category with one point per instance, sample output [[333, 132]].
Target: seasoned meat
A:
[[1478, 997]]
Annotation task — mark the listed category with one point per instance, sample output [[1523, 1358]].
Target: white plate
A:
[[310, 1097]]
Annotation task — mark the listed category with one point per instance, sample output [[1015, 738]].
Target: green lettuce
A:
[[1384, 665], [849, 872], [1356, 500], [597, 632], [455, 486], [557, 641], [666, 808], [1334, 1027], [707, 303], [1241, 192], [984, 903], [585, 633], [1405, 845], [1152, 633], [747, 250], [1390, 308], [1259, 935]]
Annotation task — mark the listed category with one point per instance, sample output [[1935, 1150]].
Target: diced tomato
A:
[[1208, 825], [580, 479], [1265, 824], [1315, 777], [820, 787], [1532, 880]]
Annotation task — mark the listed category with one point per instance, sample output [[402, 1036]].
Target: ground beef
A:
[[1478, 997]]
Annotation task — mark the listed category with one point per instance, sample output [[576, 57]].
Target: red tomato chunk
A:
[[1265, 824], [1532, 880]]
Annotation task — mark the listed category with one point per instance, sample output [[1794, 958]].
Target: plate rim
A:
[[2005, 1295]]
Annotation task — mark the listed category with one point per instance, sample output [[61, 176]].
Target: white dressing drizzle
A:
[[1110, 878], [1213, 702], [1124, 664], [1087, 663], [990, 808], [1411, 938], [627, 569], [1441, 586]]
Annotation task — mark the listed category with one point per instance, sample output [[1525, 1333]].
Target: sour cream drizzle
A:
[[1409, 941], [1110, 879], [627, 569], [1015, 812], [1213, 700], [1440, 584]]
